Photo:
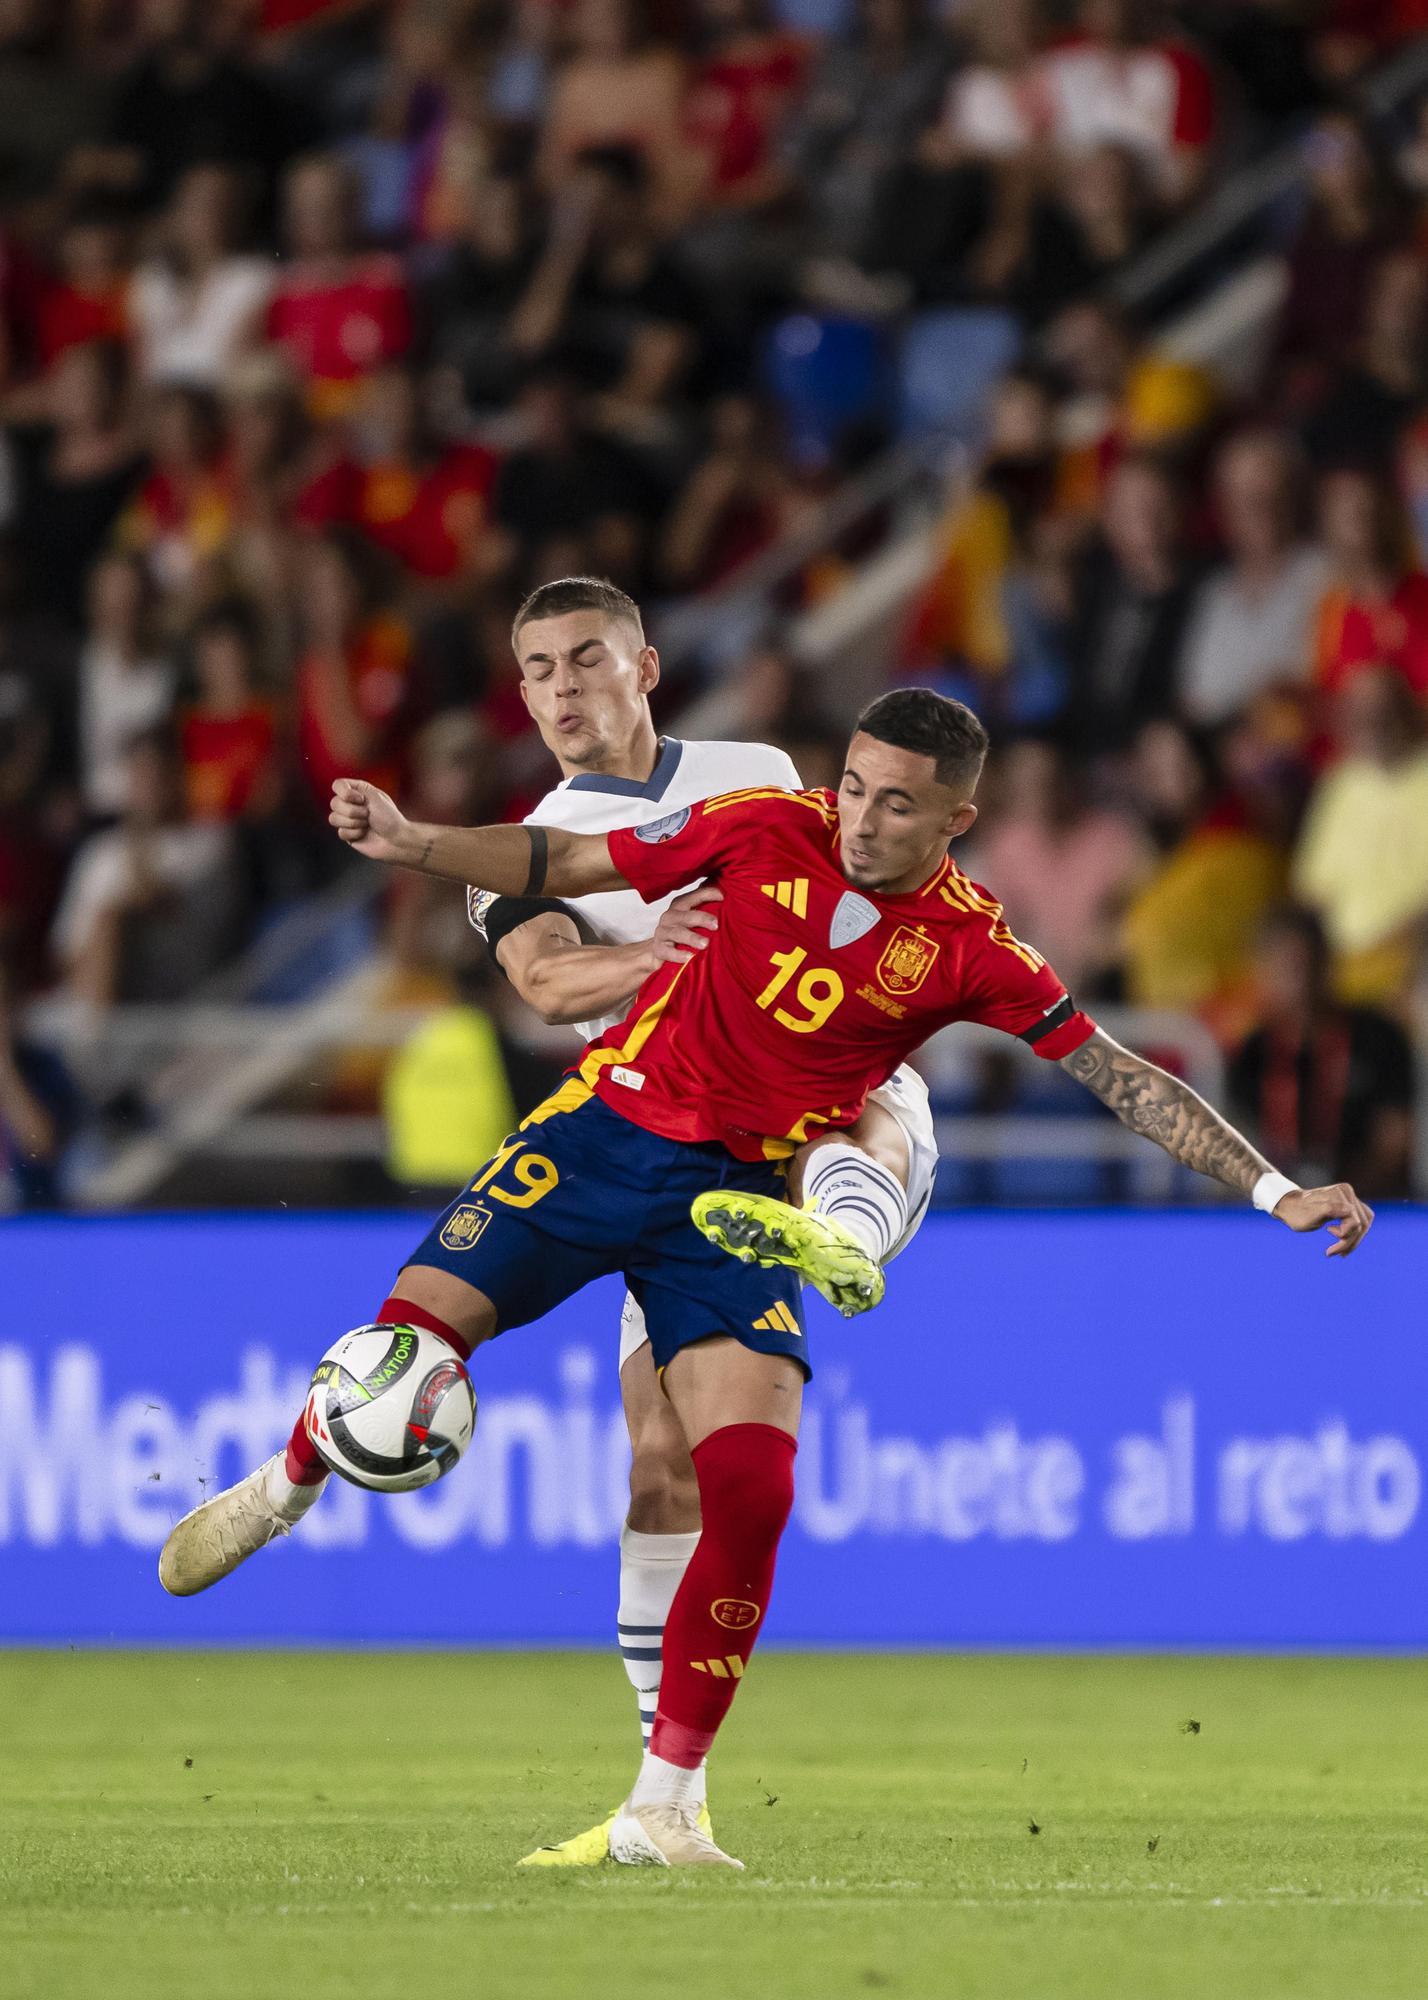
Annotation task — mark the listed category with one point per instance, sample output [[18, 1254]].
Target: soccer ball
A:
[[390, 1408]]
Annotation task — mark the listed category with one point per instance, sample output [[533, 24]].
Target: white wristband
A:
[[1270, 1190]]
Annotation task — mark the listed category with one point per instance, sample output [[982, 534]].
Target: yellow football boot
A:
[[761, 1229], [588, 1850], [582, 1850]]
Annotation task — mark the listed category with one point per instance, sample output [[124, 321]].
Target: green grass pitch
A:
[[979, 1827]]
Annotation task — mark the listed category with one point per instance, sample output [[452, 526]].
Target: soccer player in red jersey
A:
[[722, 1067], [889, 942]]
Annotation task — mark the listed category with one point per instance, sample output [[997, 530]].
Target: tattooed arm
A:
[[1150, 1101]]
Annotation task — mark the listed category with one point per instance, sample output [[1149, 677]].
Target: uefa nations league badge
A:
[[854, 917], [660, 830]]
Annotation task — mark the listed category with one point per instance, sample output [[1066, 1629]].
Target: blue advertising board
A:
[[1060, 1430]]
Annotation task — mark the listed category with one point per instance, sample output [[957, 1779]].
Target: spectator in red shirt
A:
[[227, 733], [88, 300], [354, 671], [338, 311], [422, 501], [281, 473], [1376, 610], [737, 98], [182, 514]]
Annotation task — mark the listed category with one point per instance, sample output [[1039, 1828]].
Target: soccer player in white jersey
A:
[[586, 677]]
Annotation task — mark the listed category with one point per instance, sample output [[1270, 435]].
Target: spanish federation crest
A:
[[854, 917], [907, 960], [464, 1225]]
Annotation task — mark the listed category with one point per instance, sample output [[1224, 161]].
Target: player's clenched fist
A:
[[369, 821]]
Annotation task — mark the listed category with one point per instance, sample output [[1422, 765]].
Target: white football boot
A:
[[212, 1540], [664, 1836]]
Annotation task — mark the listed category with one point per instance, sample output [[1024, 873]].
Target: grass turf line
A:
[[348, 1824]]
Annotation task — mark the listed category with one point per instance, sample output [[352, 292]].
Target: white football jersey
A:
[[684, 773]]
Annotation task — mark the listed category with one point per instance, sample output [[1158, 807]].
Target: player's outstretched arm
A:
[[1151, 1101], [512, 860]]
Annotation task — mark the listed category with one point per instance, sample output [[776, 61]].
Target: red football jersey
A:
[[811, 992]]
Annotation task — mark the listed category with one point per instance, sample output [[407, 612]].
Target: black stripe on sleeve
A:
[[1056, 1017], [540, 846]]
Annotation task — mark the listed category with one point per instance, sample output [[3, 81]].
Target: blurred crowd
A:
[[327, 329]]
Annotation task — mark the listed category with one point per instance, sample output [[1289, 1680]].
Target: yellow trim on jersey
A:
[[580, 1088], [958, 891], [574, 1092], [825, 812], [781, 1149], [976, 897], [598, 1059]]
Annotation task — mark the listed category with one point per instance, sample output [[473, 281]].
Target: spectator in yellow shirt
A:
[[446, 1098], [1362, 859], [1190, 932]]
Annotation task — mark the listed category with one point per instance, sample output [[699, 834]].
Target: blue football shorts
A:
[[580, 1191]]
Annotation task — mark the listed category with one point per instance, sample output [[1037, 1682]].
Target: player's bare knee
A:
[[469, 1312]]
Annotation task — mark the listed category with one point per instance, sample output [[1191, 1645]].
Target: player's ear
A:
[[961, 820], [648, 669], [525, 691]]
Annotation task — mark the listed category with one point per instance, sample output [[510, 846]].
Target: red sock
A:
[[303, 1460], [745, 1474]]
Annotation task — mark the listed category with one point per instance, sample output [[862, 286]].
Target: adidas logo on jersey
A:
[[778, 1319], [789, 895]]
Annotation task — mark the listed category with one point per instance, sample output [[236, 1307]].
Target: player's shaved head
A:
[[907, 787], [579, 593]]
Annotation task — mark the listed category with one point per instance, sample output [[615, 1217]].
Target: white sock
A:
[[869, 1201], [663, 1784], [283, 1494], [651, 1570]]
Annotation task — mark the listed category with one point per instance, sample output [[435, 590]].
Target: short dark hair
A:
[[935, 726], [579, 593]]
